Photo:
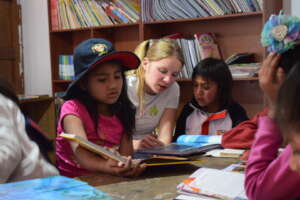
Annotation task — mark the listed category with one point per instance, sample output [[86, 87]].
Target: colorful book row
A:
[[71, 14]]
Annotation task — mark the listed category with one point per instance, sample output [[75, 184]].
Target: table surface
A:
[[158, 183]]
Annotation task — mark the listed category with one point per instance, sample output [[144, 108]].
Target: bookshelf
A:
[[235, 33], [40, 109]]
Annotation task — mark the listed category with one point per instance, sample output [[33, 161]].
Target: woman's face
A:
[[160, 74], [205, 93]]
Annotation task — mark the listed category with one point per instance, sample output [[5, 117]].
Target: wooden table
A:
[[158, 183]]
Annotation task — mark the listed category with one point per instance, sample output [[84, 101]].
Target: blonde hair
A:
[[154, 50]]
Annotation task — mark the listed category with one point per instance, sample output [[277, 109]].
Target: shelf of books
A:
[[229, 29]]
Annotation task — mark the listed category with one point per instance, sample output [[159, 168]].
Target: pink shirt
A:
[[109, 133], [268, 176]]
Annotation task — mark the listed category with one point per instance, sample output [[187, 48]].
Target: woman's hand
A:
[[271, 77], [149, 141]]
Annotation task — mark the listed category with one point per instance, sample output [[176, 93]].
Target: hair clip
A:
[[281, 33]]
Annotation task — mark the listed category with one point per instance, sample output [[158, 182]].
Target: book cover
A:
[[207, 46], [186, 145], [244, 70], [174, 36], [54, 14], [53, 187]]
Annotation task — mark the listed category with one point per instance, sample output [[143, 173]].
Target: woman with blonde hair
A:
[[153, 90]]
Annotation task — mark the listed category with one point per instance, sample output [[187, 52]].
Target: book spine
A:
[[54, 14]]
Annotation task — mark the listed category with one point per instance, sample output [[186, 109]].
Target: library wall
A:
[[295, 7], [36, 52]]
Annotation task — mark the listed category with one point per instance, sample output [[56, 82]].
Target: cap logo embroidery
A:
[[100, 49], [279, 32]]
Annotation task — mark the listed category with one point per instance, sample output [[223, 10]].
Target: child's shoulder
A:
[[72, 104], [235, 106]]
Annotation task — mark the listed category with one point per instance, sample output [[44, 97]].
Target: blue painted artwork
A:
[[55, 187]]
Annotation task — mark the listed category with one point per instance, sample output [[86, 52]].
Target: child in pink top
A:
[[269, 175], [97, 108]]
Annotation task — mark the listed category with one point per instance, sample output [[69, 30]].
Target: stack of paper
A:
[[226, 153], [213, 183]]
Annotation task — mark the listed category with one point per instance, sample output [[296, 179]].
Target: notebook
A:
[[187, 145]]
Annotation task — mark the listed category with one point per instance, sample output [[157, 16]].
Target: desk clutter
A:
[[54, 187], [207, 183]]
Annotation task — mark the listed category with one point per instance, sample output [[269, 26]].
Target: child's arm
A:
[[181, 121], [126, 146], [86, 158], [269, 176], [166, 125]]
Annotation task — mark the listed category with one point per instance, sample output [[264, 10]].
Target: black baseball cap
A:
[[94, 51]]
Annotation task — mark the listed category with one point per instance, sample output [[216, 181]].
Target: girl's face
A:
[[105, 83], [205, 93], [160, 74]]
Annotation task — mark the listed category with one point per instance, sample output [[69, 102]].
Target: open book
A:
[[214, 183], [103, 151], [138, 159], [187, 145]]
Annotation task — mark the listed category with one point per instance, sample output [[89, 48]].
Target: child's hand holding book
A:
[[115, 164], [128, 169]]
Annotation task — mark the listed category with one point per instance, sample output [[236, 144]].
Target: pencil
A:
[[172, 163]]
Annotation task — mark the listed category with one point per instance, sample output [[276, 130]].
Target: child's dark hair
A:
[[218, 71], [7, 90], [290, 58], [288, 107], [123, 108]]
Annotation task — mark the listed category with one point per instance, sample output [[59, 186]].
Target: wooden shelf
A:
[[41, 110], [235, 33], [95, 27], [62, 81], [32, 99]]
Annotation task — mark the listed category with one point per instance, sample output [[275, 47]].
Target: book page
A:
[[217, 183], [226, 153], [188, 197]]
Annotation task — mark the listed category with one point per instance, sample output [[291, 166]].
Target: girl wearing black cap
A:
[[98, 109]]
